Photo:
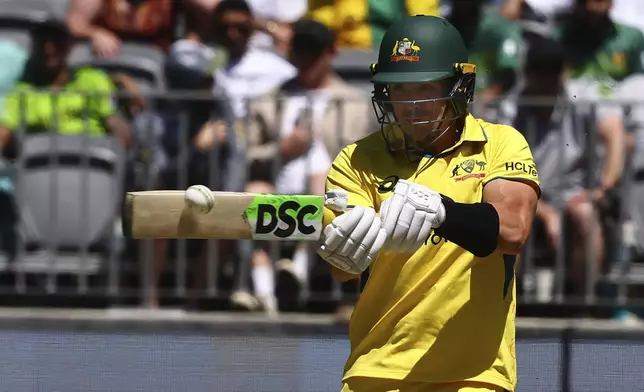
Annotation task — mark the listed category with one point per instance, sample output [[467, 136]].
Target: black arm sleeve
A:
[[473, 227]]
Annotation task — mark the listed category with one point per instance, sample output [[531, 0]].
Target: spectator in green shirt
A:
[[84, 103], [494, 45], [600, 51]]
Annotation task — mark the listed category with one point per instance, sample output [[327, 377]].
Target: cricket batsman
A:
[[443, 203]]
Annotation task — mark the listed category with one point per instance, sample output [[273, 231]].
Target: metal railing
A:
[[59, 185]]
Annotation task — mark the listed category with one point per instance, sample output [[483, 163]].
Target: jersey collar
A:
[[472, 132]]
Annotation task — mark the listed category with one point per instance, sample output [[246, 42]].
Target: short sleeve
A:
[[511, 158], [342, 175], [97, 82]]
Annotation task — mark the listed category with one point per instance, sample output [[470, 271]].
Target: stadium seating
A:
[[143, 62], [56, 171], [18, 16], [26, 10]]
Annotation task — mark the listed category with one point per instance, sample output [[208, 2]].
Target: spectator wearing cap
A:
[[213, 156], [249, 72], [74, 112], [301, 125]]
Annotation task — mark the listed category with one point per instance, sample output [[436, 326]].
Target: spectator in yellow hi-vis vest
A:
[[360, 24]]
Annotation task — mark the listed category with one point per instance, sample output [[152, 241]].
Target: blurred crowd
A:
[[246, 95]]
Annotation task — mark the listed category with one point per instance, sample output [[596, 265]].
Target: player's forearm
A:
[[516, 211], [516, 205], [514, 229]]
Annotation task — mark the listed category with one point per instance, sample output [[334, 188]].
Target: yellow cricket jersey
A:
[[440, 315]]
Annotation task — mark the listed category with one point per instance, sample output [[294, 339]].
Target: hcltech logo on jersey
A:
[[526, 168], [470, 168]]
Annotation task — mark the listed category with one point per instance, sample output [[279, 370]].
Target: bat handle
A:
[[335, 202]]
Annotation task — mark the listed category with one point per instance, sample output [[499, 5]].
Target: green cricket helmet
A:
[[421, 49]]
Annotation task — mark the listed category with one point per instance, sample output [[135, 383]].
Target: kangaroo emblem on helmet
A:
[[405, 50]]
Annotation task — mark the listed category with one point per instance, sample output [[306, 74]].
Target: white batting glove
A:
[[409, 215], [352, 240]]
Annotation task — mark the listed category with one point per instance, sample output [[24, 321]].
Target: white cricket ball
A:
[[199, 199]]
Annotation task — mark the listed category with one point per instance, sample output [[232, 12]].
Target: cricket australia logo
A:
[[470, 168], [405, 50]]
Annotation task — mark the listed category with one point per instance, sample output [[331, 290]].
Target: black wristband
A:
[[473, 227]]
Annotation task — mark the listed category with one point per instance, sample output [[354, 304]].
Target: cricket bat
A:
[[164, 214]]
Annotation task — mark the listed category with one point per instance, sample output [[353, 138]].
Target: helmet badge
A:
[[405, 50]]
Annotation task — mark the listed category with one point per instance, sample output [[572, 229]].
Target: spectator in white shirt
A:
[[250, 72]]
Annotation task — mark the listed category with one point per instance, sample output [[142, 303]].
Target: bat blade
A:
[[163, 214]]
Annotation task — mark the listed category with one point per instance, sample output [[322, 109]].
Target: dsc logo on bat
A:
[[269, 217], [285, 217]]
